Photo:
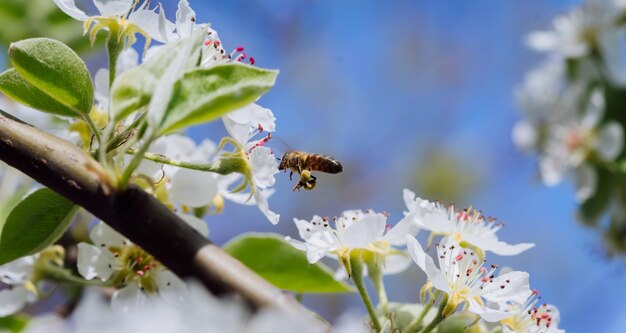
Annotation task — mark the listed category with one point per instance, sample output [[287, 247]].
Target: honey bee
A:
[[304, 163]]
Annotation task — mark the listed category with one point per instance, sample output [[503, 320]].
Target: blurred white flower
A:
[[116, 260], [532, 318], [201, 312], [16, 287], [465, 226], [463, 276], [572, 140], [354, 230]]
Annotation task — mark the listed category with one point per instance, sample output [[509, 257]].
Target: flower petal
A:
[[397, 235], [426, 263], [12, 300], [365, 231], [17, 271], [185, 19], [113, 7], [261, 202], [264, 166], [104, 236], [69, 8], [194, 188], [94, 262], [128, 299], [496, 246], [586, 182], [509, 287], [610, 141], [198, 224], [171, 287], [488, 314], [396, 263]]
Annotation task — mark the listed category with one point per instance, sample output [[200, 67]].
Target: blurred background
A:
[[408, 94]]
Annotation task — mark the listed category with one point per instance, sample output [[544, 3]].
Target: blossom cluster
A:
[[462, 272], [570, 106]]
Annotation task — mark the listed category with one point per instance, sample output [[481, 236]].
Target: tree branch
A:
[[69, 171]]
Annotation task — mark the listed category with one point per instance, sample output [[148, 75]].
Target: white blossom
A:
[[469, 225], [116, 260], [20, 290], [467, 280], [354, 229], [530, 317]]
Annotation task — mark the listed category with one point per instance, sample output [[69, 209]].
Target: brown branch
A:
[[69, 171]]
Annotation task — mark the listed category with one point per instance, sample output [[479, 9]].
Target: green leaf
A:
[[205, 94], [133, 89], [13, 323], [35, 223], [14, 86], [283, 265], [56, 70]]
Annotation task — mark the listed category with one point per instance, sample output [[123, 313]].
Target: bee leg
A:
[[290, 175]]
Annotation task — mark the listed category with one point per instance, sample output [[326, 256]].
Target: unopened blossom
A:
[[532, 317], [354, 230], [574, 139], [468, 280], [20, 279], [468, 226], [117, 261], [129, 17]]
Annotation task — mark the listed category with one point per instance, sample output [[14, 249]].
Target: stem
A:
[[211, 167], [114, 48], [93, 128], [376, 276], [356, 267], [440, 317], [134, 163], [415, 324], [118, 140]]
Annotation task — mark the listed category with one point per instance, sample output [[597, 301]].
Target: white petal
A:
[[254, 115], [586, 181], [194, 188], [524, 135], [397, 235], [296, 243], [396, 263], [69, 8], [113, 7], [552, 170], [542, 40], [128, 59], [101, 93], [102, 234], [488, 314], [171, 287], [264, 166], [17, 271], [185, 19], [244, 198], [198, 224], [516, 290], [94, 262], [610, 141], [365, 231], [497, 247], [261, 202], [128, 299], [426, 263], [12, 300], [595, 110], [239, 132]]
